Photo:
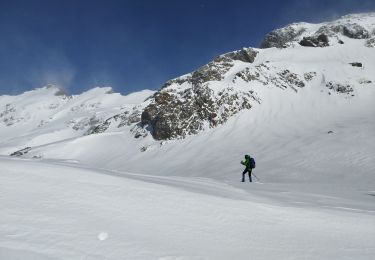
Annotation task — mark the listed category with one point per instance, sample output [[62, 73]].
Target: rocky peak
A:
[[360, 26], [210, 95], [350, 30], [279, 38], [176, 113], [216, 69]]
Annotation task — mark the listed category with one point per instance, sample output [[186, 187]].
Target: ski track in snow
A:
[[58, 210], [277, 194]]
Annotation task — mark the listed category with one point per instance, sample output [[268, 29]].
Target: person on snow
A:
[[249, 164]]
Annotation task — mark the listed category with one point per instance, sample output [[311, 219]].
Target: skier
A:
[[249, 164]]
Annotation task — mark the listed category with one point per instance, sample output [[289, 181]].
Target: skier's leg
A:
[[250, 176], [243, 175]]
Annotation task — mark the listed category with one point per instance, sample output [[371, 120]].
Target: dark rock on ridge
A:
[[315, 41], [280, 37]]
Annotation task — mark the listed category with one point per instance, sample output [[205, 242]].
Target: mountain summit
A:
[[232, 82], [354, 26]]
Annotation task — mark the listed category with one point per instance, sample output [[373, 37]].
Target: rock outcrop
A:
[[311, 35], [216, 69], [339, 88], [187, 105], [177, 114], [315, 41], [370, 43], [280, 37], [350, 30], [21, 152]]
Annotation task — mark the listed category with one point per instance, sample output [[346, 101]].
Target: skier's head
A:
[[247, 156]]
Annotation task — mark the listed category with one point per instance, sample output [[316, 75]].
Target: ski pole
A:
[[255, 176]]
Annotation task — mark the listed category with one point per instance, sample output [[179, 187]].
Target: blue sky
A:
[[134, 45]]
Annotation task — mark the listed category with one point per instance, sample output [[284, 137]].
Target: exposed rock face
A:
[[315, 41], [280, 37], [245, 55], [8, 115], [351, 30], [364, 81], [312, 36], [309, 75], [215, 70], [265, 75], [340, 88], [292, 79], [84, 123], [175, 115], [124, 119], [356, 64], [187, 105], [21, 152], [370, 43], [354, 31]]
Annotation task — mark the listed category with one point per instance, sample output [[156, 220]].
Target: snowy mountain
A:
[[250, 86], [354, 26], [155, 175], [47, 115], [231, 82]]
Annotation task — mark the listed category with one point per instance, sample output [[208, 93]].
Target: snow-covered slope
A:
[[58, 211], [47, 115]]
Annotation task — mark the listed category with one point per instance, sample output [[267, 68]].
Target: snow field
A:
[[54, 211]]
